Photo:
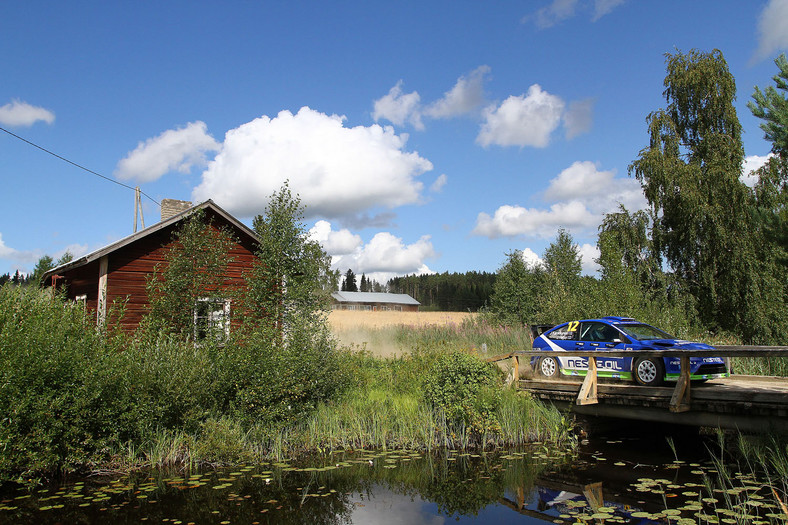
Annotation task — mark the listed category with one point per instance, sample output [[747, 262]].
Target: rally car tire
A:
[[648, 371], [548, 367]]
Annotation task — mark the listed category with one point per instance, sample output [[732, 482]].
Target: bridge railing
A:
[[681, 398]]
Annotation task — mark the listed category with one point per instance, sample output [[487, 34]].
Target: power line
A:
[[79, 166]]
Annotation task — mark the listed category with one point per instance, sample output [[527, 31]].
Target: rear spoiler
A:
[[539, 329]]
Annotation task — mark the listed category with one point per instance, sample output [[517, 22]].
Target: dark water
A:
[[620, 475]]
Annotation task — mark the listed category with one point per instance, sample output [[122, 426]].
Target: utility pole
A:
[[138, 208]]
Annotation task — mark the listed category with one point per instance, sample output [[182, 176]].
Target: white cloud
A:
[[772, 29], [601, 191], [175, 149], [6, 252], [465, 97], [531, 259], [335, 243], [603, 7], [382, 258], [18, 113], [751, 164], [439, 183], [25, 258], [581, 196], [511, 221], [525, 120], [337, 171], [398, 107], [588, 255], [578, 117]]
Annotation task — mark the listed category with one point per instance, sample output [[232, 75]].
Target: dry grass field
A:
[[376, 331], [352, 319]]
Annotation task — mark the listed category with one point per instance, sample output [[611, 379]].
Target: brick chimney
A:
[[170, 207]]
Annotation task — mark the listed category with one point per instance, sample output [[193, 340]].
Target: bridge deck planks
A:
[[751, 395]]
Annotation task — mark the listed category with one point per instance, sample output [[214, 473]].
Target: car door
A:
[[596, 335]]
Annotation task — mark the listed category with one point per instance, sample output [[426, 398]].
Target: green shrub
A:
[[467, 390], [222, 441]]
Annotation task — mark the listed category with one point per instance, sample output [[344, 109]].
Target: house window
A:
[[211, 319], [81, 300]]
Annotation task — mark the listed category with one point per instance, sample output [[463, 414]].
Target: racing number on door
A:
[[573, 326]]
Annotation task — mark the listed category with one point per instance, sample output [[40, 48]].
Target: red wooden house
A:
[[120, 271]]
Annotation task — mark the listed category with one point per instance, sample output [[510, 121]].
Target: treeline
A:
[[451, 292], [44, 264], [17, 278]]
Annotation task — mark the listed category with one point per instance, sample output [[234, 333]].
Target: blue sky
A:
[[422, 136]]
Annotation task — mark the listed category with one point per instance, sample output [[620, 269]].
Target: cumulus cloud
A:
[[578, 117], [338, 172], [589, 253], [382, 258], [581, 195], [525, 120], [439, 183], [772, 29], [752, 164], [18, 113], [511, 221], [531, 259], [335, 243], [398, 107], [465, 97], [175, 149], [601, 191]]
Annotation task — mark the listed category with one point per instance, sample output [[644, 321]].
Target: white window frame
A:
[[217, 319]]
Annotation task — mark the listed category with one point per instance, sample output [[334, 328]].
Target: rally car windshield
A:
[[644, 332]]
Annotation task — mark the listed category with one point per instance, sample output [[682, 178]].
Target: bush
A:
[[72, 396], [467, 390]]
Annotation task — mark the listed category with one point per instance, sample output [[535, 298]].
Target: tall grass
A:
[[761, 366], [756, 475]]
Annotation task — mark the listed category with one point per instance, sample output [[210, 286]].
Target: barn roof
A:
[[101, 252], [374, 297]]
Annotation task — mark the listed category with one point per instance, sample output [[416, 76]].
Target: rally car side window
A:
[[564, 333], [596, 331]]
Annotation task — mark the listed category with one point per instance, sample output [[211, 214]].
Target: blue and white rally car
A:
[[620, 333]]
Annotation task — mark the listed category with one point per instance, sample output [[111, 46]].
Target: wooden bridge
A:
[[747, 403]]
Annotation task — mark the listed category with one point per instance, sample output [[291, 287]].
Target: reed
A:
[[761, 366]]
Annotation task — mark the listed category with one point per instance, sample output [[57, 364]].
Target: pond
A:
[[632, 478]]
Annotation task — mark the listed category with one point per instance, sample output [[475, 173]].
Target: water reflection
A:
[[534, 485]]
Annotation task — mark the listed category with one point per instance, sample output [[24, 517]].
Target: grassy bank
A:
[[73, 398]]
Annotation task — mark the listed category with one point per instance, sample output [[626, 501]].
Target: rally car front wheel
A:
[[548, 367], [648, 371]]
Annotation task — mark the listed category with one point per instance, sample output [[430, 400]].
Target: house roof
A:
[[374, 297], [101, 252]]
